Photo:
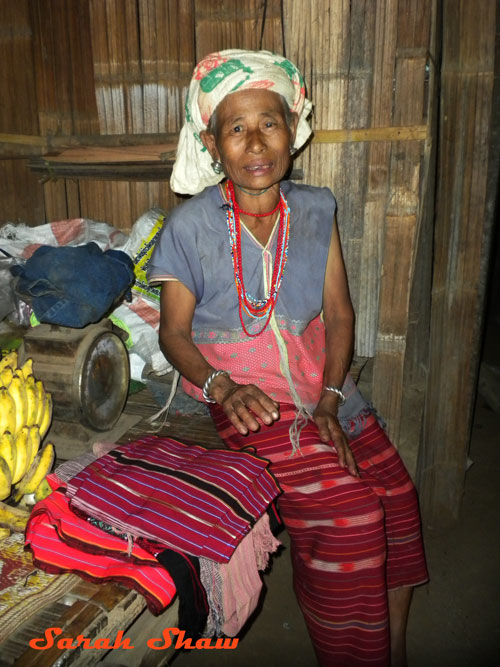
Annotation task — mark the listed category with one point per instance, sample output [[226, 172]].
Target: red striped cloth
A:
[[187, 498], [352, 539], [62, 542]]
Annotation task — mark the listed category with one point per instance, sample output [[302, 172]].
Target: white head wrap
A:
[[216, 76]]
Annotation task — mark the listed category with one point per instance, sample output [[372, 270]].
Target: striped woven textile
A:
[[351, 539], [62, 542], [187, 498]]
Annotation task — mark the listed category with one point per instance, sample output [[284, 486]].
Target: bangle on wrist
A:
[[336, 390], [206, 386]]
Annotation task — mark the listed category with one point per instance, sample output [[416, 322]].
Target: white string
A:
[[163, 412], [302, 414]]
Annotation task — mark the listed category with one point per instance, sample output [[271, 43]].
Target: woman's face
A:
[[252, 138]]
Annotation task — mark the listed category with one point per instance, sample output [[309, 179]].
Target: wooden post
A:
[[462, 239]]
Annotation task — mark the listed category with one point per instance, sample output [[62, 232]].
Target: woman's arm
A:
[[338, 315], [239, 402]]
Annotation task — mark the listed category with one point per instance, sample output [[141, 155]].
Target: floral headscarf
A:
[[216, 76]]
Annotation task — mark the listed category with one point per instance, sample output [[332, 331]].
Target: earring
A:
[[292, 150], [217, 166]]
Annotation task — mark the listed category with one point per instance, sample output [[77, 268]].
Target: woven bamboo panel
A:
[[142, 57], [366, 65], [238, 24], [18, 111], [64, 84], [403, 218]]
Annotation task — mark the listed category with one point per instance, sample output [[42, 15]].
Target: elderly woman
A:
[[256, 316]]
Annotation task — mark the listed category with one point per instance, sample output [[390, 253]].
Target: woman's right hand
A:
[[244, 404]]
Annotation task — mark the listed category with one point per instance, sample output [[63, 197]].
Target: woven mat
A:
[[24, 590]]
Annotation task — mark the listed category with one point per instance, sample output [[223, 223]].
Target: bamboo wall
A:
[[122, 67]]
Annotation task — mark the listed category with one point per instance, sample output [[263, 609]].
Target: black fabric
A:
[[275, 522], [193, 604]]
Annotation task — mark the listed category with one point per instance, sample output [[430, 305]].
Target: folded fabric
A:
[[187, 498], [62, 542], [193, 604], [73, 286], [233, 588]]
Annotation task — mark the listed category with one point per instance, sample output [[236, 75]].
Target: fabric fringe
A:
[[163, 412]]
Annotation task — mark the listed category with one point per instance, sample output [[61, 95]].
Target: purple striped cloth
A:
[[200, 501]]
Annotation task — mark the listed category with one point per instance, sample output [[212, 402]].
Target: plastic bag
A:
[[20, 240], [140, 246]]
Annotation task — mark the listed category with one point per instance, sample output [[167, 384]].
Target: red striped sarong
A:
[[351, 539]]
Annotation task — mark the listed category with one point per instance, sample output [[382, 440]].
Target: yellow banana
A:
[[27, 368], [40, 467], [10, 359], [34, 436], [8, 450], [47, 415], [23, 445], [41, 401], [42, 490], [18, 392], [5, 479], [6, 376], [31, 400], [13, 518], [4, 533], [7, 411]]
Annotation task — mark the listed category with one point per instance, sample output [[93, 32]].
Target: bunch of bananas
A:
[[25, 417]]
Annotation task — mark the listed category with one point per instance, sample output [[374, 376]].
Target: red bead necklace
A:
[[260, 215], [257, 308]]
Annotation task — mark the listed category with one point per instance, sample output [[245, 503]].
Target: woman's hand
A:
[[325, 417], [243, 404]]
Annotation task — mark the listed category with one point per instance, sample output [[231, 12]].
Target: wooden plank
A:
[[90, 618], [468, 163], [393, 133], [21, 196], [193, 429], [20, 146], [85, 154]]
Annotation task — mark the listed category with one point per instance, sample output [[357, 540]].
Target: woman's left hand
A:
[[325, 417]]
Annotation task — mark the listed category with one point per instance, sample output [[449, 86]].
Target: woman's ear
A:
[[294, 120], [208, 140]]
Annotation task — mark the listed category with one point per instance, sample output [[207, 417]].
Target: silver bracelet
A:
[[208, 382], [337, 391]]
